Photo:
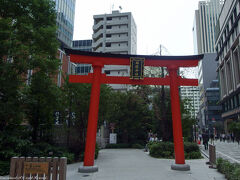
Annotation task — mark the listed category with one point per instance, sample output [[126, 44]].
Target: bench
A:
[[30, 167]]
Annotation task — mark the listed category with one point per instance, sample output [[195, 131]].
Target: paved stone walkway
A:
[[133, 164], [226, 150]]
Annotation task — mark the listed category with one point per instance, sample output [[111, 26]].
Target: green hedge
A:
[[26, 148], [231, 170], [166, 150]]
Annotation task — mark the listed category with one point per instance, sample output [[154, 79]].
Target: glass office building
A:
[[65, 21], [83, 45]]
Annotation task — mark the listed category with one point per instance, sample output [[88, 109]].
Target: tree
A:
[[42, 99], [28, 41], [28, 34], [132, 117], [187, 120], [76, 99], [162, 113], [234, 127]]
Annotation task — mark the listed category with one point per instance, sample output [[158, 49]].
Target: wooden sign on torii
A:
[[98, 60]]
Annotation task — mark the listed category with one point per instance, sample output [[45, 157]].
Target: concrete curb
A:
[[205, 154]]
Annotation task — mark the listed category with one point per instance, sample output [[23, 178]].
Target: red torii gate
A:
[[98, 60]]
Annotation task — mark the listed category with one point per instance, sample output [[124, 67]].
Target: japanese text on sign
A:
[[136, 68], [36, 168]]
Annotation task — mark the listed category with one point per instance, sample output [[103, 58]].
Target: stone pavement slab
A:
[[134, 164], [226, 150]]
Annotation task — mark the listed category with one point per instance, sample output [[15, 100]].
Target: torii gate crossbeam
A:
[[98, 60]]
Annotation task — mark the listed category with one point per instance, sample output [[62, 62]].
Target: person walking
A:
[[205, 137]]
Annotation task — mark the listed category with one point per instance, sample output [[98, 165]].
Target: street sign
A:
[[137, 68]]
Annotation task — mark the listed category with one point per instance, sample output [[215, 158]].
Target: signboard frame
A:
[[137, 68]]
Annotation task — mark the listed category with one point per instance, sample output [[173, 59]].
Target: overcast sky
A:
[[166, 22]]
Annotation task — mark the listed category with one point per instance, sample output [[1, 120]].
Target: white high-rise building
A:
[[205, 21], [192, 94], [115, 33]]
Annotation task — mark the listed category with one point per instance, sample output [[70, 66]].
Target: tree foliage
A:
[[28, 42], [131, 116]]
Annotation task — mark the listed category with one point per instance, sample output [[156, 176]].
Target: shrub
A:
[[69, 156], [231, 170], [220, 165], [190, 147], [227, 168], [137, 146], [193, 155], [4, 167], [166, 150], [236, 174], [161, 150]]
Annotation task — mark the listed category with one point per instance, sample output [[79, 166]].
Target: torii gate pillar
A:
[[92, 121], [177, 124]]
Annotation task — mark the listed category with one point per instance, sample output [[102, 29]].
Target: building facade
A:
[[228, 51], [115, 33], [212, 111], [205, 20], [65, 10], [65, 21], [209, 89], [191, 93], [83, 45]]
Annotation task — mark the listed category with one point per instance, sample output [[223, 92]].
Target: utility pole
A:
[[163, 106]]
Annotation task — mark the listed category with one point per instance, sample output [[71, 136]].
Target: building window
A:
[[238, 99], [109, 18], [223, 82], [108, 44], [109, 27], [108, 35], [107, 71], [229, 76], [235, 101], [236, 66]]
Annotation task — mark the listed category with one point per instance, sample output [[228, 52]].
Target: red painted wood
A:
[[126, 61], [176, 118], [126, 80], [92, 118]]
